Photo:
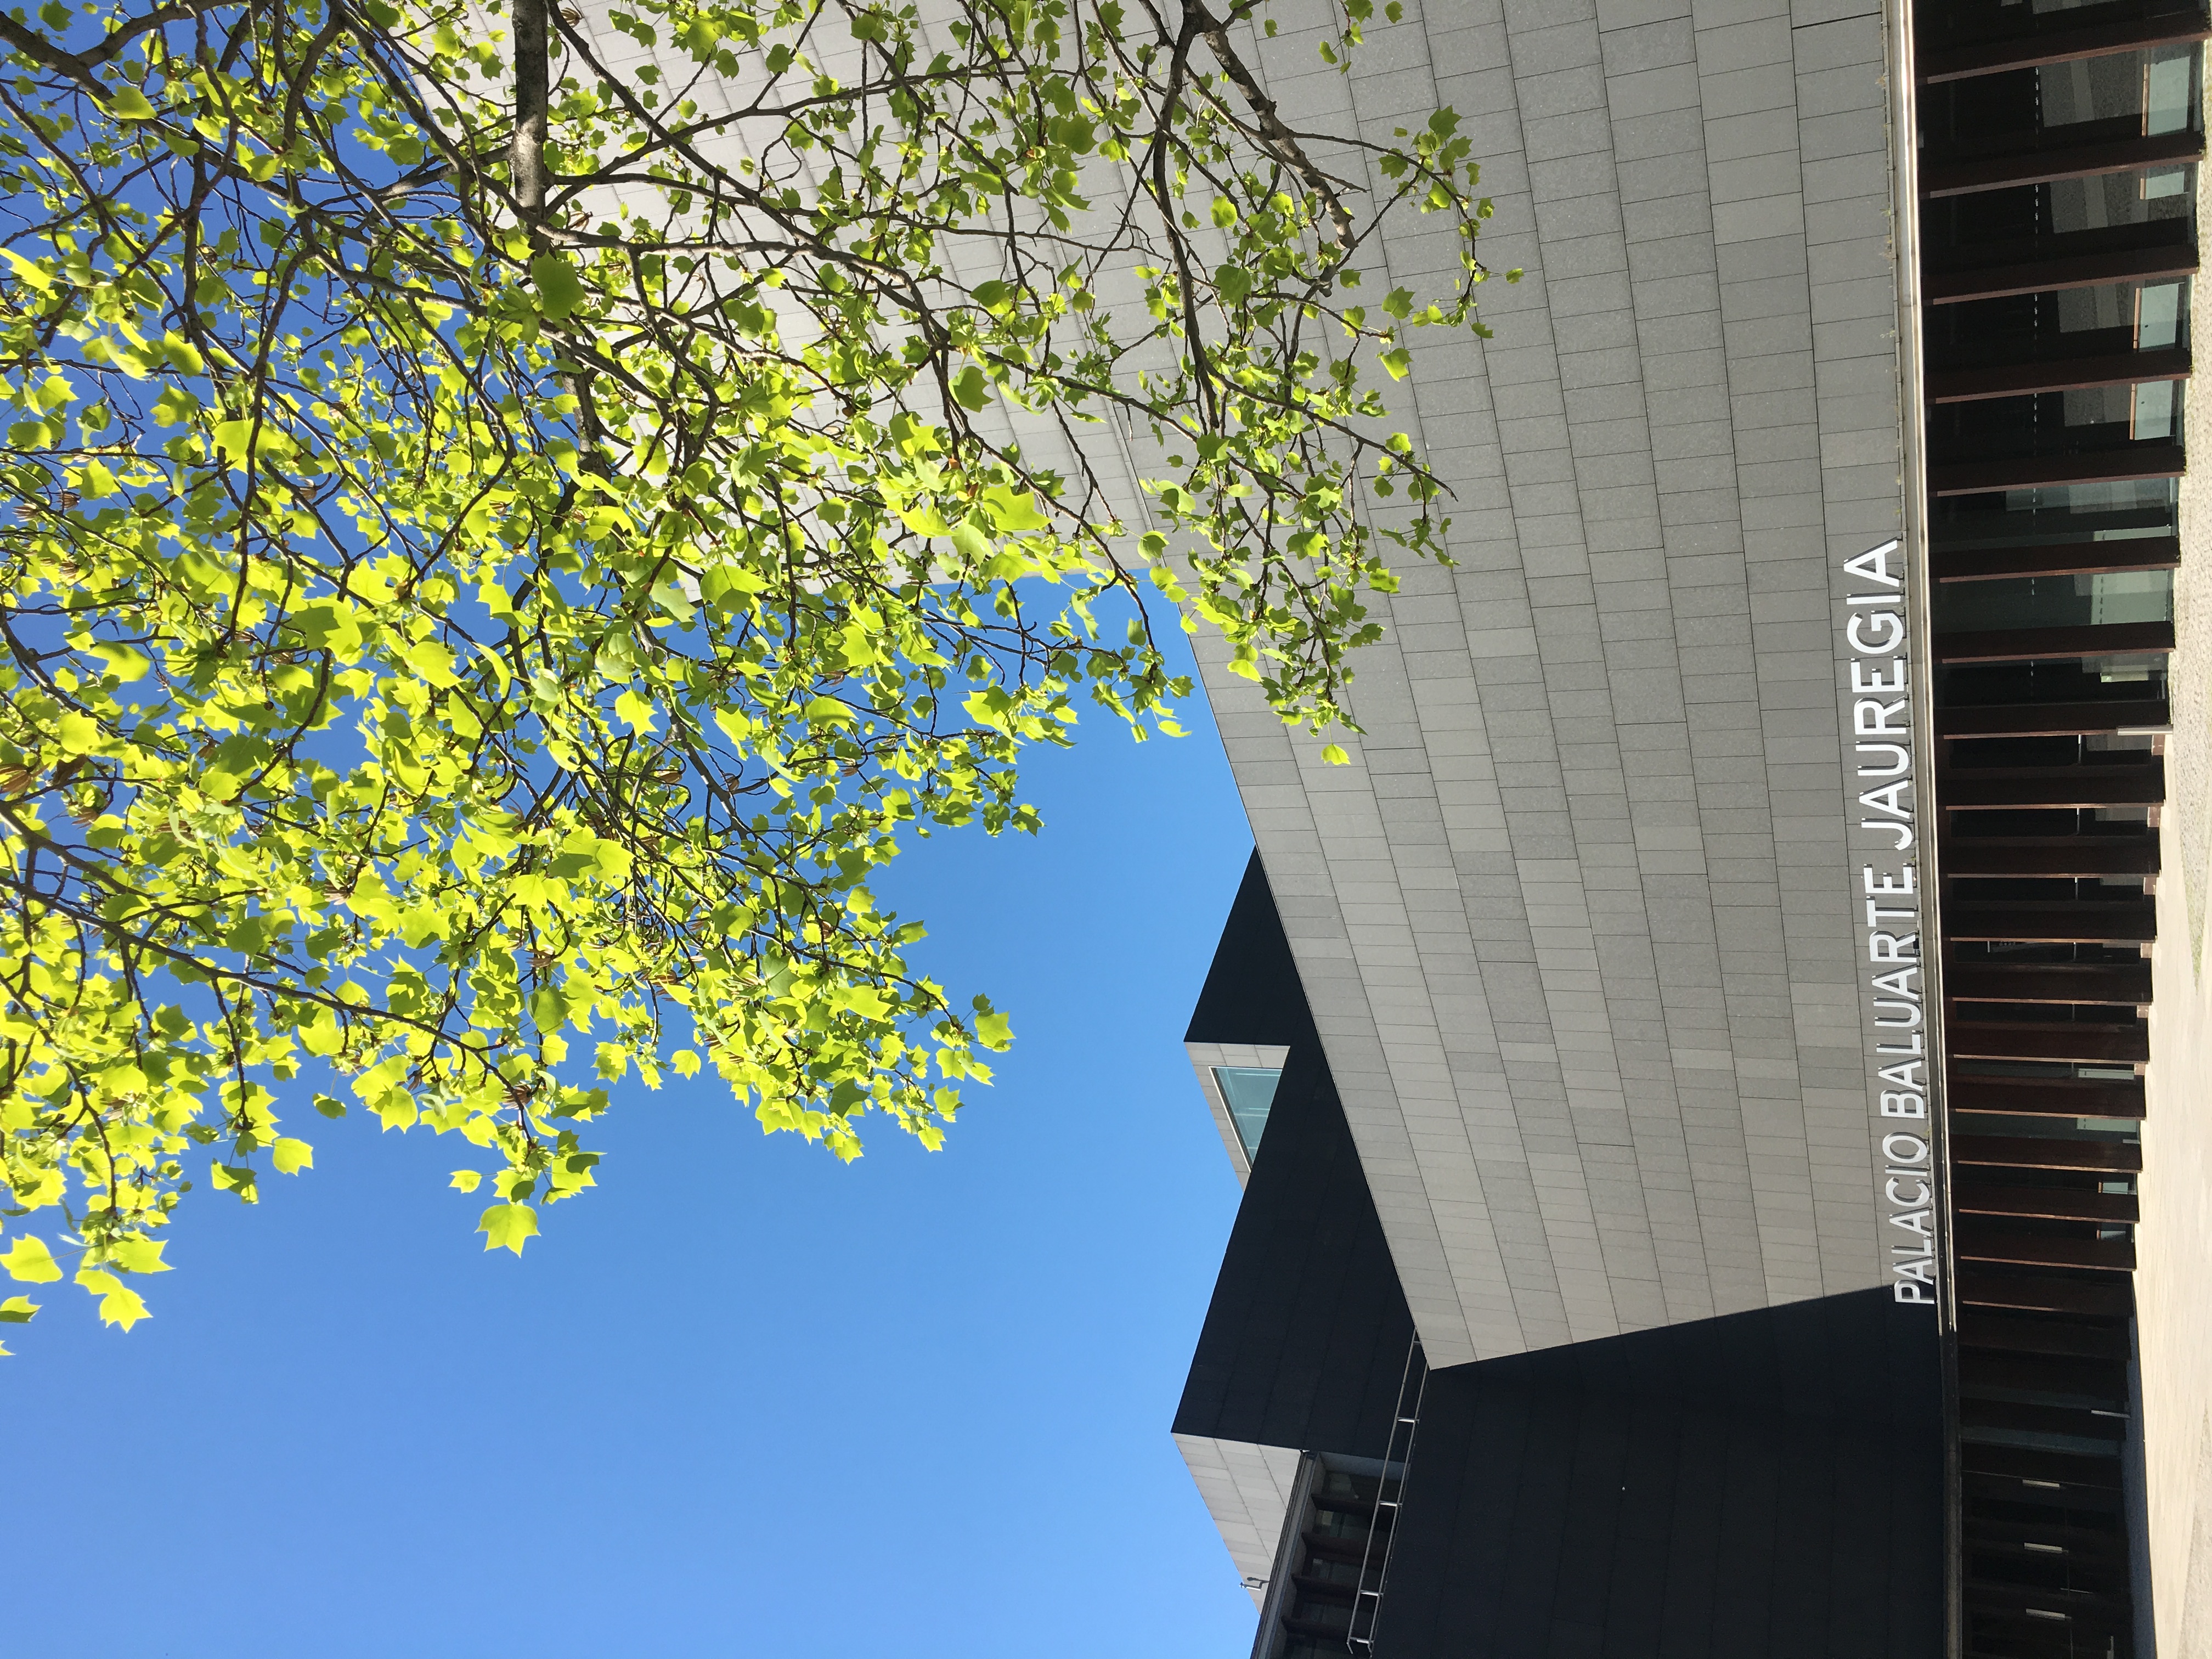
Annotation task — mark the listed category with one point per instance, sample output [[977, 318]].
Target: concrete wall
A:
[[1577, 922], [2173, 1243], [1247, 1489]]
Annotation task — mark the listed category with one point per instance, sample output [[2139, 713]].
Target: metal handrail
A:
[[1366, 1601]]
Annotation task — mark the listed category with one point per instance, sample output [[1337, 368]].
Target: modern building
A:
[[1720, 1080]]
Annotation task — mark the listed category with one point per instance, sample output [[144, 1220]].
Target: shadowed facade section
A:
[[1762, 1485], [1305, 1339]]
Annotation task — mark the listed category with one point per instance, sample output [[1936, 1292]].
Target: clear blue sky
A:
[[745, 1402]]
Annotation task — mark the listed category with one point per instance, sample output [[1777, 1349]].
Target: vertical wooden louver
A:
[[2058, 145]]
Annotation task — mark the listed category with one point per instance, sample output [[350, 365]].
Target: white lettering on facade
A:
[[1882, 732]]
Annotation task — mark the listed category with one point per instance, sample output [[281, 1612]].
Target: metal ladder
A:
[[1374, 1565]]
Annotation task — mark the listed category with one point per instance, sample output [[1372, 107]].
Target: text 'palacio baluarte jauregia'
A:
[[1878, 666]]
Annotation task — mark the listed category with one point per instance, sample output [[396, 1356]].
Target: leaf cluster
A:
[[519, 516]]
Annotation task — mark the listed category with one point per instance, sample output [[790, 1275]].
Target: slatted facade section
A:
[[2058, 237]]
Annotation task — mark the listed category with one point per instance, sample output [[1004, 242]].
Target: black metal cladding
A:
[[1763, 1485], [1305, 1338], [2058, 240]]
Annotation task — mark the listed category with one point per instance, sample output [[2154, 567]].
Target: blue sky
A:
[[740, 1401]]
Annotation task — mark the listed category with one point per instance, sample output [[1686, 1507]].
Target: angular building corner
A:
[[1720, 1079]]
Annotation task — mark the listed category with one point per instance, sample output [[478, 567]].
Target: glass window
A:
[[2168, 106], [2158, 316], [2117, 596], [2153, 413], [2130, 596], [1249, 1091]]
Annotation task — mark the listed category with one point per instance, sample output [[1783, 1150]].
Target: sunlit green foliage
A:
[[506, 545]]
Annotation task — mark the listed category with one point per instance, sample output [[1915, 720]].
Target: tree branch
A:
[[532, 107], [1275, 138], [79, 65]]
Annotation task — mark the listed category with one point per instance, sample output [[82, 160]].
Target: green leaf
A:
[[234, 440], [125, 663], [559, 292], [290, 1157], [972, 389], [433, 662], [466, 1181], [29, 1262], [18, 1309], [508, 1226], [34, 276], [636, 711], [1015, 513], [127, 103], [971, 540], [323, 1036], [138, 1255], [119, 1303], [329, 625], [237, 1178], [80, 734]]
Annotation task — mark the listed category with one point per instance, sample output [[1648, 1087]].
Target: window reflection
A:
[[1248, 1093]]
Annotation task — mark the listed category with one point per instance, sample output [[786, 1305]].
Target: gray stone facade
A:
[[1579, 923]]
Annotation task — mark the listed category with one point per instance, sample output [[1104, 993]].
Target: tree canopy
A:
[[519, 515]]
